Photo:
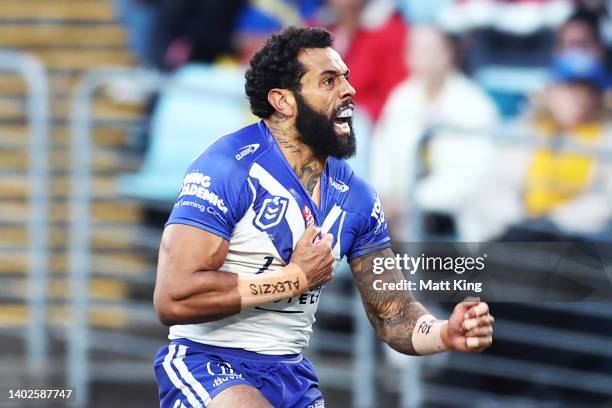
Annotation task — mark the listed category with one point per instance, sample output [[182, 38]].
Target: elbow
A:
[[171, 312], [168, 311], [391, 342], [382, 335], [403, 347], [166, 317], [401, 344]]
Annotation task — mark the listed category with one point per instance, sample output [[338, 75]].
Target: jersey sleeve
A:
[[213, 196], [372, 234]]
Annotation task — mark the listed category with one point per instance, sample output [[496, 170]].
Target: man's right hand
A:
[[314, 256]]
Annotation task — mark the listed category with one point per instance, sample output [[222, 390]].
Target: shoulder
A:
[[234, 153], [341, 171], [404, 96], [214, 182], [368, 224], [463, 88], [606, 130], [467, 87], [401, 90], [362, 193], [361, 197], [459, 83]]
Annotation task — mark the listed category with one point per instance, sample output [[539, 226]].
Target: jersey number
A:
[[265, 267]]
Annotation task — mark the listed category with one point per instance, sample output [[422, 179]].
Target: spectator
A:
[[193, 31], [519, 17], [553, 185], [137, 17], [601, 14], [437, 94], [423, 12], [516, 33], [581, 32], [260, 18], [370, 37], [252, 29]]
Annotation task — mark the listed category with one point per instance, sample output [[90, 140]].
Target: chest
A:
[[281, 210]]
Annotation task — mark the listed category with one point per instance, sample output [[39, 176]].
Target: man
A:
[[432, 98], [263, 216]]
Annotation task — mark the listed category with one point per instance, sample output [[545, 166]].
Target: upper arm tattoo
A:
[[393, 313]]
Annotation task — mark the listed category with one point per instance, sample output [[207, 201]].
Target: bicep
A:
[[384, 304], [184, 251], [365, 268]]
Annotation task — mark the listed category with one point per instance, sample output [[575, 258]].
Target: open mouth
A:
[[343, 117]]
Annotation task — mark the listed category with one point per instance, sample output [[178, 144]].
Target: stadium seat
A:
[[201, 103], [510, 86]]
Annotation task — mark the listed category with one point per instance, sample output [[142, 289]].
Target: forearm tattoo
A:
[[392, 313]]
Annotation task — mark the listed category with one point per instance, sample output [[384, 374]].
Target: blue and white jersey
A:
[[242, 188]]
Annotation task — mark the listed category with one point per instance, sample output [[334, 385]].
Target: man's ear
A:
[[282, 100]]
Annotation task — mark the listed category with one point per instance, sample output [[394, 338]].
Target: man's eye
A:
[[328, 81]]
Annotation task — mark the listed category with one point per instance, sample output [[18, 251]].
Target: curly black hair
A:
[[276, 65]]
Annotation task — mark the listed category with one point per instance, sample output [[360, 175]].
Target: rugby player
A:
[[263, 217]]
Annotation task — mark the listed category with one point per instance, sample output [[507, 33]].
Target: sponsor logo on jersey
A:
[[307, 298], [223, 371], [378, 214], [338, 185], [272, 212], [197, 184], [202, 207], [308, 217], [246, 150]]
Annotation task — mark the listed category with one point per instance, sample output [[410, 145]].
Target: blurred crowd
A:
[[484, 119]]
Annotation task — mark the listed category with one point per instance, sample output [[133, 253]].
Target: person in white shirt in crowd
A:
[[436, 95]]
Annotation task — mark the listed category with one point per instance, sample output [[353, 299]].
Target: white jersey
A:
[[242, 189]]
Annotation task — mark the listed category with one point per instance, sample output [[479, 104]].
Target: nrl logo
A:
[[246, 150], [272, 212]]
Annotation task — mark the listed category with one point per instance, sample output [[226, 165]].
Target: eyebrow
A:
[[335, 72]]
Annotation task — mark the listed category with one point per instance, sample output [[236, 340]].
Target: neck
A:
[[299, 156]]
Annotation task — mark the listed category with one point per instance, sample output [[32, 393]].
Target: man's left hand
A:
[[470, 327]]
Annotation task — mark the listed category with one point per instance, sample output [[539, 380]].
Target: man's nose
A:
[[347, 89]]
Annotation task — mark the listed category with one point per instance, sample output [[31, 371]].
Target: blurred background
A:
[[479, 120]]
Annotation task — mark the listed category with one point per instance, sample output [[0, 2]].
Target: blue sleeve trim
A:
[[366, 249], [205, 227]]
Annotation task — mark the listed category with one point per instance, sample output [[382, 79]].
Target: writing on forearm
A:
[[272, 286]]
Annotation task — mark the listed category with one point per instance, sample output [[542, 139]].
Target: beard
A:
[[317, 131]]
